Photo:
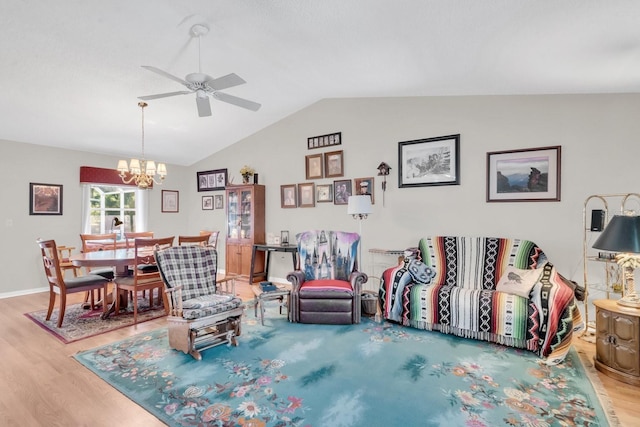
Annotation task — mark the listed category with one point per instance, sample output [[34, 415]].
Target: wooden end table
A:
[[277, 295]]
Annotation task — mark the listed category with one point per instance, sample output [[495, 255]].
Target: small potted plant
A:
[[246, 172]]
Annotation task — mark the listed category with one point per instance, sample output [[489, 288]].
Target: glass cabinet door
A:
[[239, 211]]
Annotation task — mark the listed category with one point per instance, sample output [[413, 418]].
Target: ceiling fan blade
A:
[[244, 103], [225, 82], [204, 107], [164, 95], [165, 74]]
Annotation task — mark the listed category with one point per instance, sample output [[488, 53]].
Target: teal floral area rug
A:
[[80, 323], [371, 374]]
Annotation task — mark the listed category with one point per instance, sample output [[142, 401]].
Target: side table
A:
[[277, 295], [267, 249], [617, 341]]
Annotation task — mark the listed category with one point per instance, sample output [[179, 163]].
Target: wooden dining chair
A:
[[64, 256], [213, 237], [201, 240], [144, 278], [99, 242], [130, 236], [61, 286]]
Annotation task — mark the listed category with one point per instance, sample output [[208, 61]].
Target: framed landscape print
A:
[[45, 199], [212, 180], [430, 161], [341, 191], [527, 175]]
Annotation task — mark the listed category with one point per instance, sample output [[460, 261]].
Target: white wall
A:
[[599, 135]]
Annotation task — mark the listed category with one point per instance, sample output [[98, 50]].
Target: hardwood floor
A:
[[42, 385]]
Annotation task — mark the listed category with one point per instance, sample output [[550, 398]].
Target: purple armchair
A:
[[326, 287]]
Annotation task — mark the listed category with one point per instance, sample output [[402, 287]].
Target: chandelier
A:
[[141, 172]]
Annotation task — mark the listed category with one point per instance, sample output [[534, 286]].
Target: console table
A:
[[617, 341], [267, 249]]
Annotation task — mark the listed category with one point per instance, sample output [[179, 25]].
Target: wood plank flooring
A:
[[41, 385]]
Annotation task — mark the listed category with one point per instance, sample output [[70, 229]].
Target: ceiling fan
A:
[[204, 85]]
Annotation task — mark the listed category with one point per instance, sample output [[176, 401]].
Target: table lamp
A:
[[622, 235], [359, 207]]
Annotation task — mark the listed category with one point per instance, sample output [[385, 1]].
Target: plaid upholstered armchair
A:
[[200, 314], [327, 286]]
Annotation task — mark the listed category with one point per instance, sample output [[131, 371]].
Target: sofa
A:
[[493, 289]]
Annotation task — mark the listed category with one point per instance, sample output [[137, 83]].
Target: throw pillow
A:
[[518, 282], [420, 272]]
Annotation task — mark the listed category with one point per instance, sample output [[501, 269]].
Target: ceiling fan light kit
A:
[[202, 84]]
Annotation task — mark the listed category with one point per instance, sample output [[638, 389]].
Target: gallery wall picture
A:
[[207, 203], [341, 191], [288, 196], [364, 186], [170, 201], [429, 161]]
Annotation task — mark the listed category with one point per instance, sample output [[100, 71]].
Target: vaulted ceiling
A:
[[70, 71]]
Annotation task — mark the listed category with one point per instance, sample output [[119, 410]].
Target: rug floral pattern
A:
[[370, 374]]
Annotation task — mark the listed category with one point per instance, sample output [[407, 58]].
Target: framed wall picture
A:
[[212, 180], [313, 166], [170, 201], [323, 141], [218, 201], [341, 191], [430, 161], [333, 164], [45, 199], [364, 186], [324, 193], [527, 175], [207, 203], [306, 195], [288, 196]]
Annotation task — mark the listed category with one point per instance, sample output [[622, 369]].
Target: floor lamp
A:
[[622, 235], [359, 207]]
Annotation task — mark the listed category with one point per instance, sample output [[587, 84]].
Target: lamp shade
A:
[[622, 234], [359, 205]]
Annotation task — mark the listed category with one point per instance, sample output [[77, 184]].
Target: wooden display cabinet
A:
[[245, 227], [618, 341]]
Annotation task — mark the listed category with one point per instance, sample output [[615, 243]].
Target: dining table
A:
[[120, 259]]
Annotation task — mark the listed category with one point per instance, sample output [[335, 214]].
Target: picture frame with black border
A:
[[218, 201], [524, 175], [429, 162], [207, 203], [170, 201], [322, 141], [212, 180], [45, 199]]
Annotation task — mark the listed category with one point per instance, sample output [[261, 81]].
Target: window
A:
[[105, 203]]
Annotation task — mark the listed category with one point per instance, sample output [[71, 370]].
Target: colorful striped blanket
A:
[[452, 289]]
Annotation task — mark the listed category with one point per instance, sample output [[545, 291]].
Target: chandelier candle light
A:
[[142, 172]]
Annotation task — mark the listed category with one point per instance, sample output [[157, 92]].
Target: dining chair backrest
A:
[[213, 237], [144, 257], [130, 236], [51, 261], [98, 242], [201, 240]]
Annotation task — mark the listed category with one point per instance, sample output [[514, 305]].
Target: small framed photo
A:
[[430, 161], [45, 199], [313, 166], [306, 195], [324, 193], [288, 196], [341, 191], [170, 201], [218, 201], [364, 186], [207, 203], [528, 175], [333, 164], [212, 180]]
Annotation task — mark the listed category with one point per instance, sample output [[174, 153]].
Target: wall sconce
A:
[[383, 171]]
